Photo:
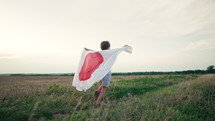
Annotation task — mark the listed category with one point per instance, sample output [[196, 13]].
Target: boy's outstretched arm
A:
[[88, 49]]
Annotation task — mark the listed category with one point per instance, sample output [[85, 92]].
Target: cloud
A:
[[200, 45], [182, 17], [8, 56]]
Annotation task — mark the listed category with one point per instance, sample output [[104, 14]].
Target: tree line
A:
[[209, 70]]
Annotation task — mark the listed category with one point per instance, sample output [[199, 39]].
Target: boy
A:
[[99, 93]]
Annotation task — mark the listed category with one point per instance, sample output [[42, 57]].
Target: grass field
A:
[[136, 98]]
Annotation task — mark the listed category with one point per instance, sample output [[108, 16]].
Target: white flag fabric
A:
[[94, 65]]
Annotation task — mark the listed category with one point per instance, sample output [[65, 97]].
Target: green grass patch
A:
[[16, 108], [140, 86]]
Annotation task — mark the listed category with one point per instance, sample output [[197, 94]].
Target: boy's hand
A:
[[87, 49]]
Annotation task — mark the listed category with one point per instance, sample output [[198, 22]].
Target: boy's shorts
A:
[[106, 80]]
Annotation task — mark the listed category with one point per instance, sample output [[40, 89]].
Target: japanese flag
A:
[[94, 65]]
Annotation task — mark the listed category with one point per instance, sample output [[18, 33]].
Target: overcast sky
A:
[[47, 36]]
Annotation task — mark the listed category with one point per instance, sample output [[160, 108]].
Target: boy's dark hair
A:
[[105, 45]]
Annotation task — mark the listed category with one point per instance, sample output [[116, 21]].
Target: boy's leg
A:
[[104, 84], [98, 91], [101, 94], [96, 94]]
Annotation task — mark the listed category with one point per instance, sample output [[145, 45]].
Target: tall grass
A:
[[170, 97]]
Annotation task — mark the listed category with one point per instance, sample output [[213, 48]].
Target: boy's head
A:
[[105, 45]]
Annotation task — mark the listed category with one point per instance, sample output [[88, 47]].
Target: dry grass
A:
[[27, 85]]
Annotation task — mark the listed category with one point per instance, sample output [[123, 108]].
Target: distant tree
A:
[[210, 69]]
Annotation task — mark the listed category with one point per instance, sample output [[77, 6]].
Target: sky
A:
[[48, 36]]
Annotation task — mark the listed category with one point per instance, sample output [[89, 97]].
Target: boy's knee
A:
[[104, 88]]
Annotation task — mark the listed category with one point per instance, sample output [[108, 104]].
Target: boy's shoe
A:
[[96, 94]]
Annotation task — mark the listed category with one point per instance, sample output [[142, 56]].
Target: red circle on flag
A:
[[91, 63]]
